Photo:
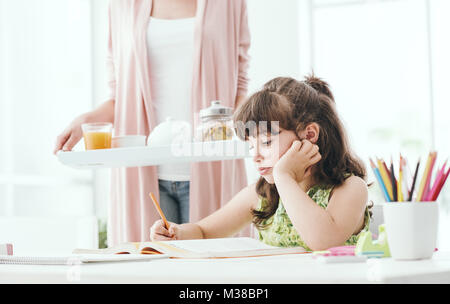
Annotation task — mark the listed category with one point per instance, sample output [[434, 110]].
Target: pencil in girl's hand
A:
[[394, 183], [411, 192], [158, 208], [376, 172]]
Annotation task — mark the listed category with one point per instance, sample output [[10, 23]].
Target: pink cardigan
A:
[[222, 40]]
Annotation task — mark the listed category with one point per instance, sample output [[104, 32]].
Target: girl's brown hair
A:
[[294, 105]]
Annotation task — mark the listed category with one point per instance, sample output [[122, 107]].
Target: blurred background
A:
[[387, 62]]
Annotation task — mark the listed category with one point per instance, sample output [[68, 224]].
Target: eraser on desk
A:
[[340, 259], [337, 251], [6, 249]]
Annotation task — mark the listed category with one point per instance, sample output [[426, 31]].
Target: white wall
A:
[[274, 51], [274, 29]]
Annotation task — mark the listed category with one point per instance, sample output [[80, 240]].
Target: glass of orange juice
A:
[[97, 135]]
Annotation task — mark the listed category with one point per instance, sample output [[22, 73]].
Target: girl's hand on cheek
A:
[[297, 161]]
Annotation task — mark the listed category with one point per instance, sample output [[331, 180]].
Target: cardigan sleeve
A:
[[244, 45], [110, 66]]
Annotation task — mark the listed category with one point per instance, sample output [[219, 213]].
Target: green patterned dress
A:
[[281, 233]]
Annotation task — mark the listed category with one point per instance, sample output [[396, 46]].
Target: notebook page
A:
[[220, 245]]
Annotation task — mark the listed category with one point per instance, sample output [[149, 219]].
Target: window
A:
[[440, 48], [45, 80], [376, 56], [379, 71], [387, 62]]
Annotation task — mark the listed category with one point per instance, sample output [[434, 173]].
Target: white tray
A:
[[154, 156]]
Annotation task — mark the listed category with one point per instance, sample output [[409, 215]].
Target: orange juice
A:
[[97, 140]]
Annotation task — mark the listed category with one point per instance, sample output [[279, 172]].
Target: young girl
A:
[[312, 191]]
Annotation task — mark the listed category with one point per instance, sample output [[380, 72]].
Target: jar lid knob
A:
[[216, 109]]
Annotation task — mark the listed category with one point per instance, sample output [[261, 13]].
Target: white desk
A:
[[290, 269]]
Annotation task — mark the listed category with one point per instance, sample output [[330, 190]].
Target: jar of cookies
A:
[[216, 123]]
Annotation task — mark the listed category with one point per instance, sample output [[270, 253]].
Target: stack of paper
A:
[[76, 259]]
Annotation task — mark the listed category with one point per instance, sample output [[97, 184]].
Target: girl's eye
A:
[[267, 143]]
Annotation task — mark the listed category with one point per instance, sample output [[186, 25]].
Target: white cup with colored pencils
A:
[[411, 229], [411, 211]]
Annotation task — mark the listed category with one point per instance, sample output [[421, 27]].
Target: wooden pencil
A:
[[394, 182], [158, 208], [426, 188], [376, 172], [405, 178], [409, 174], [421, 188], [439, 176], [438, 191], [411, 192], [385, 177], [386, 168], [400, 180]]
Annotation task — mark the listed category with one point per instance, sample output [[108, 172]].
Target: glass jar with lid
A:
[[216, 123]]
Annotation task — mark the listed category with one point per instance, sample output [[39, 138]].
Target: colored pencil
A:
[[400, 181], [394, 183], [421, 188], [408, 173], [436, 195], [376, 172], [430, 172], [407, 176], [386, 168], [158, 208], [437, 182], [411, 192], [386, 179]]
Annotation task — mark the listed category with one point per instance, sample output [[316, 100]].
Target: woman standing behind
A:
[[169, 58]]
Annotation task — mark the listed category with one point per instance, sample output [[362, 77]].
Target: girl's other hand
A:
[[159, 232], [298, 160], [67, 140]]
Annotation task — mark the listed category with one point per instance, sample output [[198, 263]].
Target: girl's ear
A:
[[311, 133]]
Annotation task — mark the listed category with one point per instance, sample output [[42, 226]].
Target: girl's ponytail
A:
[[319, 85]]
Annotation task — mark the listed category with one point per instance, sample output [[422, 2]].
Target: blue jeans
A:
[[174, 200]]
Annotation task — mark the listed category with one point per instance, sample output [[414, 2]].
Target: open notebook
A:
[[209, 248]]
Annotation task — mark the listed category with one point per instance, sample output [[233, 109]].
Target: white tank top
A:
[[170, 45]]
